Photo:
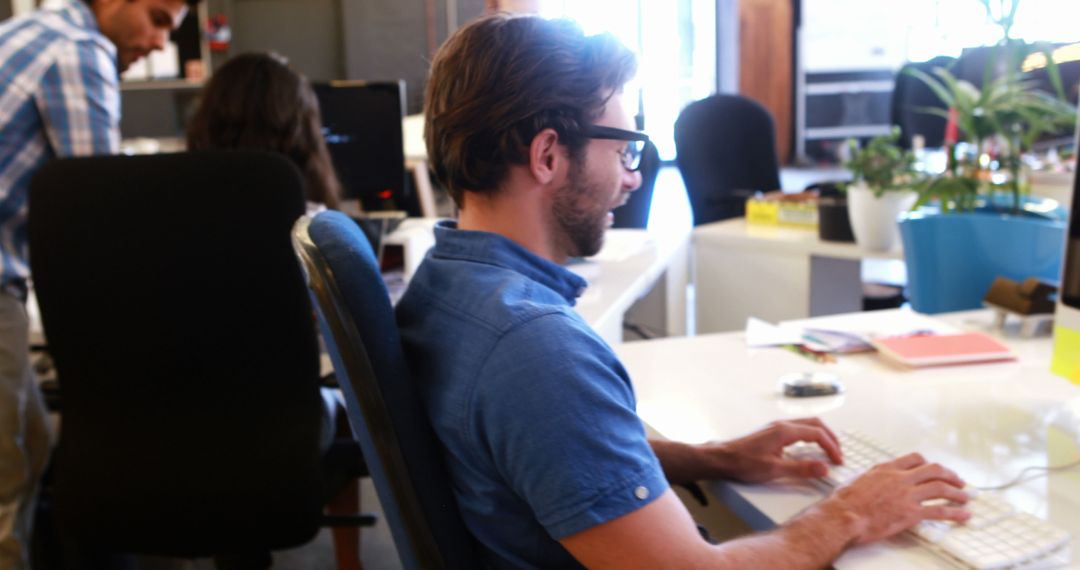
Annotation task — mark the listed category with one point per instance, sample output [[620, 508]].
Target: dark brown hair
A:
[[256, 101], [499, 81]]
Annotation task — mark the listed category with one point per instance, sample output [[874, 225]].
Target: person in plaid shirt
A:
[[59, 97]]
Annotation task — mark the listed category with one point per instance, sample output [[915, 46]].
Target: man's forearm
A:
[[812, 540], [685, 463]]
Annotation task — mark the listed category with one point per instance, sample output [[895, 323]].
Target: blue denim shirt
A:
[[535, 413]]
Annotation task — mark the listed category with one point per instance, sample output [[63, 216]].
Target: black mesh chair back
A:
[[186, 352], [726, 152], [635, 212], [384, 406], [912, 98]]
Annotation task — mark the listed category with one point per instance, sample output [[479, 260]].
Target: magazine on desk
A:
[[910, 339]]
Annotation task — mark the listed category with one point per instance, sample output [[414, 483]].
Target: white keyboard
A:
[[996, 535]]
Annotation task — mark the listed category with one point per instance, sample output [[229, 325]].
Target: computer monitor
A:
[[362, 127], [1066, 361]]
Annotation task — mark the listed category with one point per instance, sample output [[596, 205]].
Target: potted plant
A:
[[881, 189], [834, 222], [1003, 120], [977, 222]]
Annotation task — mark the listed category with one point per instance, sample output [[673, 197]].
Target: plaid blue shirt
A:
[[59, 96]]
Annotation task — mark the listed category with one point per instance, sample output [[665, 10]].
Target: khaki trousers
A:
[[24, 435]]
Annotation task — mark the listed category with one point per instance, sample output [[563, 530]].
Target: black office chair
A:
[[186, 352], [635, 212], [726, 152], [910, 100], [383, 405]]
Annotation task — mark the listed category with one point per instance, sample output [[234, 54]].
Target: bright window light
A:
[[841, 35], [675, 42]]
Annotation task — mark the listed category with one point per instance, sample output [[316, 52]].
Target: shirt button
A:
[[641, 493]]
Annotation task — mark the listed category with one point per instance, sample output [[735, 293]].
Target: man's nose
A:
[[632, 180], [161, 37]]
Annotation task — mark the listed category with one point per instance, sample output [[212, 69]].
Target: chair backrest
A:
[[384, 407], [726, 151], [185, 349], [912, 98], [635, 212]]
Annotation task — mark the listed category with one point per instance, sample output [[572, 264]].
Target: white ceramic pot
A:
[[873, 219]]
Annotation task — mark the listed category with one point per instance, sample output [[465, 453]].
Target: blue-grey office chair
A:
[[384, 408]]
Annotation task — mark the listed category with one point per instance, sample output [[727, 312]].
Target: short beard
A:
[[582, 234]]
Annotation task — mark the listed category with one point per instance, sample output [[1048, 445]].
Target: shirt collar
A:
[[494, 249], [79, 14]]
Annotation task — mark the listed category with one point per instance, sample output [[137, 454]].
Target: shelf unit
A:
[[836, 106]]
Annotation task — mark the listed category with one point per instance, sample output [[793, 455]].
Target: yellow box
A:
[[799, 215], [1066, 360], [762, 212], [785, 210]]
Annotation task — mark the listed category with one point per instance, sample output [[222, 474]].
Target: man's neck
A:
[[518, 217]]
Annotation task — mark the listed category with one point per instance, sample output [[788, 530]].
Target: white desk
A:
[[986, 421], [412, 130], [636, 265], [772, 273]]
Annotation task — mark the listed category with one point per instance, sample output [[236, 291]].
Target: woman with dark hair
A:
[[257, 101]]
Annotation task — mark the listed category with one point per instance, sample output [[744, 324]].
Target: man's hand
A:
[[889, 498], [759, 456]]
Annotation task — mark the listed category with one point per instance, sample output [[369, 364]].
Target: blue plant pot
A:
[[953, 258]]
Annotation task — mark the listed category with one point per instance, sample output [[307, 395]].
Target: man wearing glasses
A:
[[550, 464]]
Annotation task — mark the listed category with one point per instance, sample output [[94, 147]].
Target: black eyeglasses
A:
[[631, 157]]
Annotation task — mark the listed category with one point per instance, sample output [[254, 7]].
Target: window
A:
[[883, 34], [954, 25]]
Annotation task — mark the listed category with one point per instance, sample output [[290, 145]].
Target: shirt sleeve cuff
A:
[[628, 495]]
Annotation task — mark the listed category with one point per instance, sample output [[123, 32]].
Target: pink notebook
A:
[[934, 350]]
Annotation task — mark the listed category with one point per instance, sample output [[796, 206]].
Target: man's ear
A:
[[546, 156]]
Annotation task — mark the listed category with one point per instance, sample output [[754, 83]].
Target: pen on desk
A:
[[814, 355]]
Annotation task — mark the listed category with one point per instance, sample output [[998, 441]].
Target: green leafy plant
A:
[[1009, 110], [954, 192], [882, 165]]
